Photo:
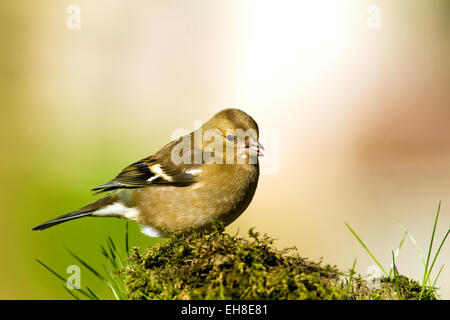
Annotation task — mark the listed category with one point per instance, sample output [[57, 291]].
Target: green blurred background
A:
[[362, 117]]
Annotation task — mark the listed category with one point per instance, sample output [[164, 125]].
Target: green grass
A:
[[367, 249], [426, 291], [427, 272], [111, 278]]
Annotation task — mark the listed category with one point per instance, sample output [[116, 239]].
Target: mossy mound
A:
[[215, 265]]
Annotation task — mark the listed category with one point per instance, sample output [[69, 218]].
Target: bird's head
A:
[[237, 131]]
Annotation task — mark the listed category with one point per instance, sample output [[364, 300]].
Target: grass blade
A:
[[395, 276], [127, 248], [76, 297], [367, 249], [437, 253], [118, 290], [330, 297], [429, 252], [349, 284], [98, 275], [65, 280], [397, 252], [413, 240], [51, 270], [92, 293], [439, 273]]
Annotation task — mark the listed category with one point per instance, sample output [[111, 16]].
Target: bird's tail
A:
[[61, 219], [83, 212]]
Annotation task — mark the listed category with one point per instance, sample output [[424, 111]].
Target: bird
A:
[[208, 175]]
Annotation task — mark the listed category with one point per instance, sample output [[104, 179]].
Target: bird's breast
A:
[[219, 194]]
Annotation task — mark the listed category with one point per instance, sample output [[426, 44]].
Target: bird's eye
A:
[[230, 138]]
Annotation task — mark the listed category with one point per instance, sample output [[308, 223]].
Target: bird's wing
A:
[[151, 171]]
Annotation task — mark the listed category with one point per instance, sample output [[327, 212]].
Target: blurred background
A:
[[358, 98]]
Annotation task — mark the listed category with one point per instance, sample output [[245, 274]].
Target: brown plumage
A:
[[210, 174]]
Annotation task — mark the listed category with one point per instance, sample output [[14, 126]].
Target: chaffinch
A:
[[208, 175]]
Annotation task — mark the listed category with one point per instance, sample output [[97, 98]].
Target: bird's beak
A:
[[255, 145]]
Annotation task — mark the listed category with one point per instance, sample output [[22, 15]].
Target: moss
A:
[[215, 265]]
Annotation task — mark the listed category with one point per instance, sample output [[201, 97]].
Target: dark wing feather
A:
[[143, 173], [133, 176]]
